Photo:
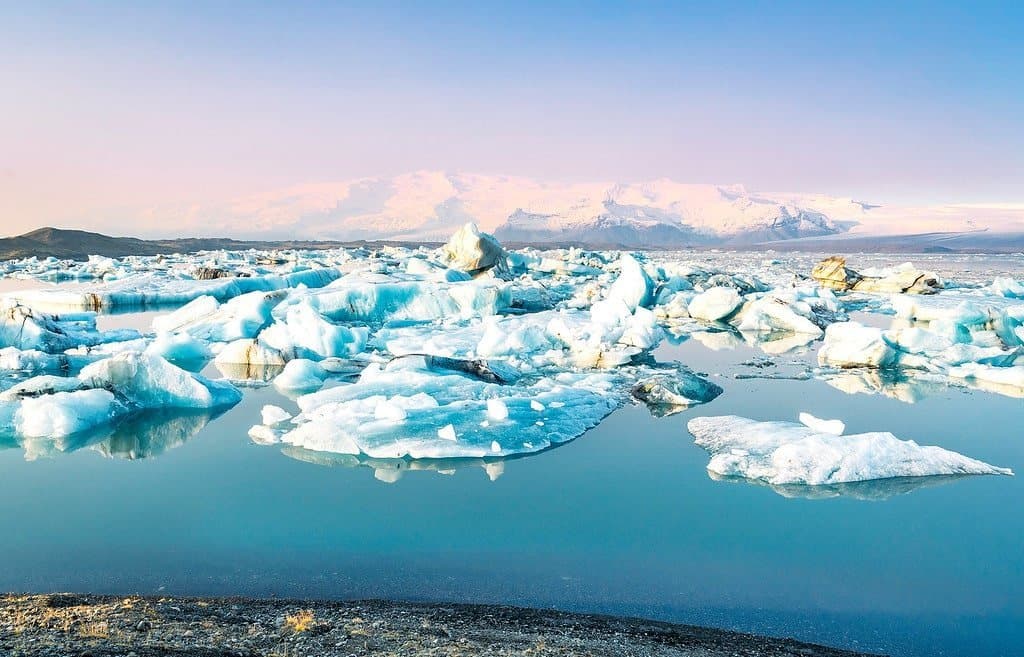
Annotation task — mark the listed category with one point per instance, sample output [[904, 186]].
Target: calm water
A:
[[625, 519]]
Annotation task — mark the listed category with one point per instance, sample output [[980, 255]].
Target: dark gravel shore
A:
[[80, 625]]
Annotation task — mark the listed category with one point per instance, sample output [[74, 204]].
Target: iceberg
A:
[[671, 393], [851, 344], [780, 453], [833, 273], [300, 375], [633, 287], [25, 328], [104, 392], [206, 319], [380, 298], [715, 304], [304, 333], [834, 427], [404, 411], [161, 290], [474, 252]]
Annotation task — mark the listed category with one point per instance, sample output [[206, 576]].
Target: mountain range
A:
[[430, 205]]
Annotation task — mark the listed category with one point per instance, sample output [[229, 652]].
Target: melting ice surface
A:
[[265, 410]]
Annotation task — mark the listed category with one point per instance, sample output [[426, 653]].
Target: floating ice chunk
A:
[[668, 394], [274, 416], [676, 306], [851, 344], [160, 289], [26, 329], [447, 432], [249, 353], [241, 317], [377, 298], [536, 405], [1008, 287], [1004, 380], [952, 308], [344, 419], [179, 348], [186, 316], [497, 410], [105, 391], [474, 252], [148, 381], [771, 314], [300, 375], [304, 333], [33, 360], [833, 272], [65, 413], [633, 287], [715, 304], [789, 453], [834, 427]]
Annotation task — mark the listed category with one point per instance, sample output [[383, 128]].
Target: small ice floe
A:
[[300, 375], [25, 328], [715, 304], [834, 427], [851, 344], [666, 394], [274, 416], [106, 392], [833, 273], [789, 453]]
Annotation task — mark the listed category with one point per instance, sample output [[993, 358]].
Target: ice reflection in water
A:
[[147, 434]]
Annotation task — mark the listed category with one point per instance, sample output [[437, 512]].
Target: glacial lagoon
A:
[[624, 519]]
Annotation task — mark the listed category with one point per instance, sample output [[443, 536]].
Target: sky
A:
[[112, 114]]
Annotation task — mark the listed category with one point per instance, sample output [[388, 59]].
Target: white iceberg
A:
[[834, 427], [715, 304], [404, 411], [300, 375], [104, 392], [789, 453], [851, 344], [379, 298], [304, 333]]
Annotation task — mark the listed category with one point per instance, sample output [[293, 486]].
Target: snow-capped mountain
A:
[[430, 205]]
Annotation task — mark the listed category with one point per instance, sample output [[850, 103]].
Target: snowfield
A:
[[471, 351]]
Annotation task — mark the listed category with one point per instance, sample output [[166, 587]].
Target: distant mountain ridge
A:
[[69, 244], [661, 213], [80, 244]]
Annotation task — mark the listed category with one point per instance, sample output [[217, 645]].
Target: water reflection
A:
[[145, 435], [906, 386], [391, 470], [875, 490]]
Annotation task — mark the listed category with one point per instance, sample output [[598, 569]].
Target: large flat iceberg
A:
[[407, 410], [791, 453]]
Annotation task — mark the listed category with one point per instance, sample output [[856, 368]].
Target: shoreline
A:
[[84, 625]]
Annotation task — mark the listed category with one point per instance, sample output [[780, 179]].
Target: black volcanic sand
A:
[[82, 625]]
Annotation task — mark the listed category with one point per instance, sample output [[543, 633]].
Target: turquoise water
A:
[[624, 520]]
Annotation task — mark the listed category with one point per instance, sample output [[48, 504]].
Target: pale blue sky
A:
[[112, 106]]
